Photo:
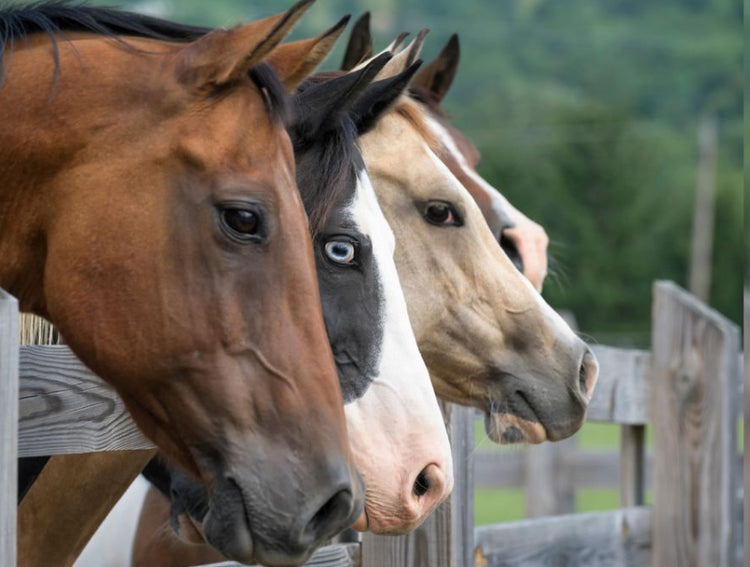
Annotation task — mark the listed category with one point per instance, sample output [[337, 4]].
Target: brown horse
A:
[[148, 208], [523, 240]]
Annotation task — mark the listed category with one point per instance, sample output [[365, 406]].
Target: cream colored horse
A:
[[488, 337]]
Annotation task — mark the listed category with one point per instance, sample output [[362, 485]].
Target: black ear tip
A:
[[374, 66], [299, 5], [340, 24], [383, 57], [413, 68], [453, 43]]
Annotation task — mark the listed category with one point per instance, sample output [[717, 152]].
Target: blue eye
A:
[[340, 251]]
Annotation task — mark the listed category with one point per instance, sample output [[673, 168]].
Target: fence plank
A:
[[339, 555], [8, 426], [549, 482], [632, 465], [587, 468], [462, 502], [445, 539], [620, 537], [695, 426], [65, 408], [623, 392]]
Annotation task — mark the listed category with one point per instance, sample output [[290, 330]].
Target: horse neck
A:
[[47, 117], [22, 239]]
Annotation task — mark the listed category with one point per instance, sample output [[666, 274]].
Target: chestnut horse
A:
[[148, 208], [523, 240], [393, 417]]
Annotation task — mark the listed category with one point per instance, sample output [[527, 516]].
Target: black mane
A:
[[58, 16], [335, 151]]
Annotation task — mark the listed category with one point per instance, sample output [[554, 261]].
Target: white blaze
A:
[[396, 428]]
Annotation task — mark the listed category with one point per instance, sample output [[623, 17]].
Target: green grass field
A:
[[491, 506]]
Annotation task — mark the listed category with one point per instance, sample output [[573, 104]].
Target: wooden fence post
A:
[[8, 426], [446, 538], [632, 465], [695, 412], [549, 484]]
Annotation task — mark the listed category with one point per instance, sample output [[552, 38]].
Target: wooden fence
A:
[[688, 387]]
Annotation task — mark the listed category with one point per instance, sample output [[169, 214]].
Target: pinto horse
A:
[[148, 208], [523, 240]]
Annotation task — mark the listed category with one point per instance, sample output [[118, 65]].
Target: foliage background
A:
[[586, 113]]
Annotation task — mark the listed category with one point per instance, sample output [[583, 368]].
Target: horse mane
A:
[[53, 17], [338, 150]]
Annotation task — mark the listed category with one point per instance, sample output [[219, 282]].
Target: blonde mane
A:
[[35, 330]]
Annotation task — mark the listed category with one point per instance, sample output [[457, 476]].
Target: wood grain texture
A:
[[695, 425], [8, 426], [71, 497], [623, 391], [616, 538], [66, 409], [339, 555], [445, 538]]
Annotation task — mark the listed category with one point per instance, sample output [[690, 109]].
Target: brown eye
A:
[[441, 214], [242, 223]]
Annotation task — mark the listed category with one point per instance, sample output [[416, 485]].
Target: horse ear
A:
[[437, 77], [379, 97], [225, 56], [359, 47], [296, 60], [322, 106], [405, 58]]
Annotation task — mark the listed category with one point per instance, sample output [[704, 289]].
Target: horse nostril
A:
[[588, 373], [422, 483], [582, 377]]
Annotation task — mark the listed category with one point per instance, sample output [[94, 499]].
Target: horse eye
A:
[[340, 251], [441, 214], [243, 224]]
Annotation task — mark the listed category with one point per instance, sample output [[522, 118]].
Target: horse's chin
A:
[[506, 429]]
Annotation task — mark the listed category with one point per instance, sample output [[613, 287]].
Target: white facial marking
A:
[[396, 428]]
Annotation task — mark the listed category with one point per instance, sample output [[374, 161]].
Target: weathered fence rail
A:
[[8, 426], [688, 386]]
